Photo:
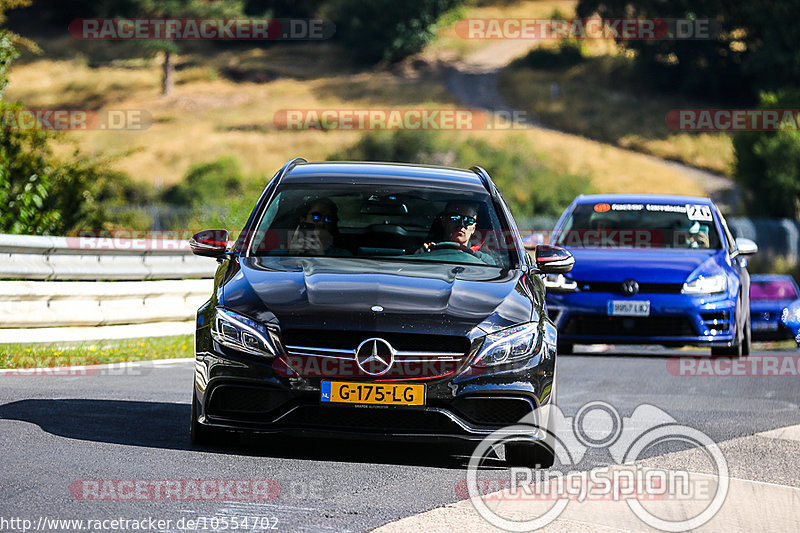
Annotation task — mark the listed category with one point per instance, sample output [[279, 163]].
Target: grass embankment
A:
[[94, 353], [598, 100], [210, 116], [601, 98]]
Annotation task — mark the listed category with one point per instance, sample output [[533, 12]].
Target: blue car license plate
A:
[[628, 308]]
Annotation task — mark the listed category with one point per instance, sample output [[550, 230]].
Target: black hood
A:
[[340, 293]]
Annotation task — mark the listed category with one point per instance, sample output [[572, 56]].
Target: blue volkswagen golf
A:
[[651, 269]]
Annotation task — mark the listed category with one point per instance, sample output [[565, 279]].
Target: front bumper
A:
[[674, 320], [237, 391]]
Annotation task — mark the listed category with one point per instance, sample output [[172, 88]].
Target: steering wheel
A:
[[450, 245]]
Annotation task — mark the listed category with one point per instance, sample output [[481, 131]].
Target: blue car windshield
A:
[[639, 225], [383, 221]]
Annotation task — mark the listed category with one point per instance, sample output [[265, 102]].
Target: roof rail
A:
[[484, 176], [289, 165]]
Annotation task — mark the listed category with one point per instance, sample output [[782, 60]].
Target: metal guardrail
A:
[[36, 294], [95, 258], [36, 304]]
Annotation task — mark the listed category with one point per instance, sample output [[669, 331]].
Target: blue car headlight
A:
[[706, 285], [560, 283], [509, 345], [791, 314], [243, 334]]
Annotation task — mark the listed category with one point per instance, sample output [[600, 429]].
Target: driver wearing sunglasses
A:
[[317, 230], [455, 224]]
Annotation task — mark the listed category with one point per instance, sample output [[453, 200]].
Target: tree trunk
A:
[[167, 82]]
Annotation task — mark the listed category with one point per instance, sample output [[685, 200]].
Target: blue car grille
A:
[[616, 287], [718, 320], [619, 326]]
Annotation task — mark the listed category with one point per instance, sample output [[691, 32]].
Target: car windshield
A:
[[383, 222], [639, 225], [776, 289]]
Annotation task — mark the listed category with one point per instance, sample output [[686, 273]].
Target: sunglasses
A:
[[464, 220], [316, 217]]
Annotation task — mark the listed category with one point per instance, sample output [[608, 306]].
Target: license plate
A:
[[373, 393], [764, 326], [628, 308]]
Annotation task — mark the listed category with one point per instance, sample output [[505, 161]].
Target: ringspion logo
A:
[[597, 425]]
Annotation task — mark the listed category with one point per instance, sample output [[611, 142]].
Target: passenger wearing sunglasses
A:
[[317, 230], [453, 228]]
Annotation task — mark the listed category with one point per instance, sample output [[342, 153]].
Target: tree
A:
[[41, 194], [387, 30], [754, 50], [768, 162], [158, 9]]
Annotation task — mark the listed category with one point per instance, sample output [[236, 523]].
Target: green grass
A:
[[95, 352]]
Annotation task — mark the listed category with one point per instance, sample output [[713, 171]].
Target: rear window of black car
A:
[[382, 222]]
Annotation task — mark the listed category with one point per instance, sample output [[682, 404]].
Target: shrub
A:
[[207, 183], [568, 54], [44, 195]]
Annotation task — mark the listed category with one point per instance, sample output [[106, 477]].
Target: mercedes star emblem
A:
[[374, 356]]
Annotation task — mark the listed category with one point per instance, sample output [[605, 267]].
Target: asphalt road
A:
[[132, 424]]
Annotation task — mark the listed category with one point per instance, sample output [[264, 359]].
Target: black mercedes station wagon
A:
[[377, 300]]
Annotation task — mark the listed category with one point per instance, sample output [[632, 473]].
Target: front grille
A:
[[716, 321], [371, 419], [623, 326], [324, 338], [615, 287], [237, 400], [494, 411], [332, 354]]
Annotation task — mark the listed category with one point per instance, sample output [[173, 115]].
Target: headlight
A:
[[706, 285], [509, 345], [244, 334], [559, 282], [791, 314]]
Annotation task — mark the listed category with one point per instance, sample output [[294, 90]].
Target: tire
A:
[[530, 455], [748, 337], [565, 348], [198, 434]]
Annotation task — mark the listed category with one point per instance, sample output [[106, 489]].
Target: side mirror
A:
[[553, 259], [210, 242], [746, 246]]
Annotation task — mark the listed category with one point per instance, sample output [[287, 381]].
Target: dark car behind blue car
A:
[[651, 269], [775, 307]]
